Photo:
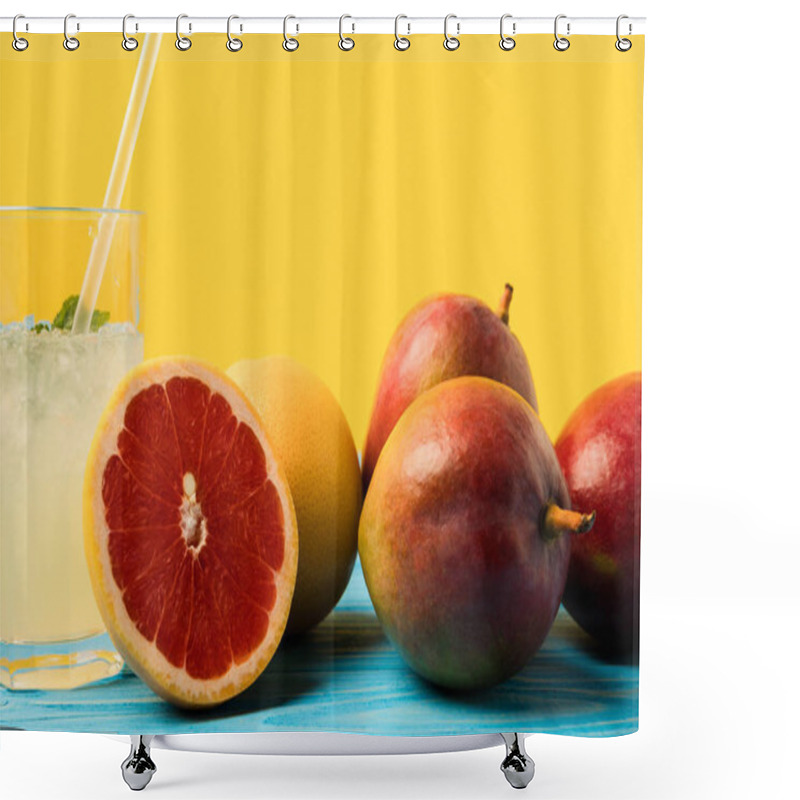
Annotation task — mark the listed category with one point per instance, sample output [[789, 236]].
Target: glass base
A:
[[58, 665]]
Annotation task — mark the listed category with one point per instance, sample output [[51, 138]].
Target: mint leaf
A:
[[99, 318], [66, 315], [41, 326]]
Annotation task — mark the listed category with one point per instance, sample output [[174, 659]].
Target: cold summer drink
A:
[[54, 386]]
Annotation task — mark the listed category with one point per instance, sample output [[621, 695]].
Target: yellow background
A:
[[302, 203]]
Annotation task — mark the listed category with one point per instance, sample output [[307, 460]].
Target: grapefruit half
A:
[[190, 532]]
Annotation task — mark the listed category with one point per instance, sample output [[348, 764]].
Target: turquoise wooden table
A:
[[345, 676]]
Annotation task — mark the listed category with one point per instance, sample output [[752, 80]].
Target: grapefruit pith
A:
[[190, 532]]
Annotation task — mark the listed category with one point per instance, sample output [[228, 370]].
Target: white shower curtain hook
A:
[[451, 42], [70, 42], [128, 42], [561, 43], [507, 42], [182, 42], [623, 45], [233, 44], [345, 42], [289, 44], [401, 42], [18, 43]]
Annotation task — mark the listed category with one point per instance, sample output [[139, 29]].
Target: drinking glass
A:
[[54, 387]]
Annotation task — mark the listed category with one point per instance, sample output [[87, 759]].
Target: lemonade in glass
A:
[[54, 387]]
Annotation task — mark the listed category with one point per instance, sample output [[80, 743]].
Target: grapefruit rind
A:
[[142, 656]]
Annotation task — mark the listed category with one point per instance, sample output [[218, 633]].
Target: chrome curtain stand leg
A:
[[517, 766], [138, 768]]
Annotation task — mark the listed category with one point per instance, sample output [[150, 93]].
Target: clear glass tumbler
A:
[[54, 387]]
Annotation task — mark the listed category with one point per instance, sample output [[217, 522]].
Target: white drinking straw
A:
[[101, 246]]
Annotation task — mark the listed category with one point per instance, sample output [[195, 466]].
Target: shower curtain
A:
[[445, 532]]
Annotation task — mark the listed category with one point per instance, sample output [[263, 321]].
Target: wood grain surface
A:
[[345, 676]]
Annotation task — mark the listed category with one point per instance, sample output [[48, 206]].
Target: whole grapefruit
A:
[[312, 441]]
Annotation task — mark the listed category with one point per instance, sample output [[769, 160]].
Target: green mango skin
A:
[[451, 535]]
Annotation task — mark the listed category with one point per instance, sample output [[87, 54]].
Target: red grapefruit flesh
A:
[[190, 532]]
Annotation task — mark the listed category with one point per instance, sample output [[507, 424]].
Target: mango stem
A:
[[558, 521], [505, 302]]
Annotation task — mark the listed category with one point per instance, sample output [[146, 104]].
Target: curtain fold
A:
[[302, 204], [304, 201]]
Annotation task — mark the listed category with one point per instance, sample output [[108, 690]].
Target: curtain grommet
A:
[[346, 43], [129, 43], [561, 43], [290, 44], [18, 42], [182, 43], [401, 43], [233, 44], [71, 43], [507, 42], [451, 43], [622, 44]]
